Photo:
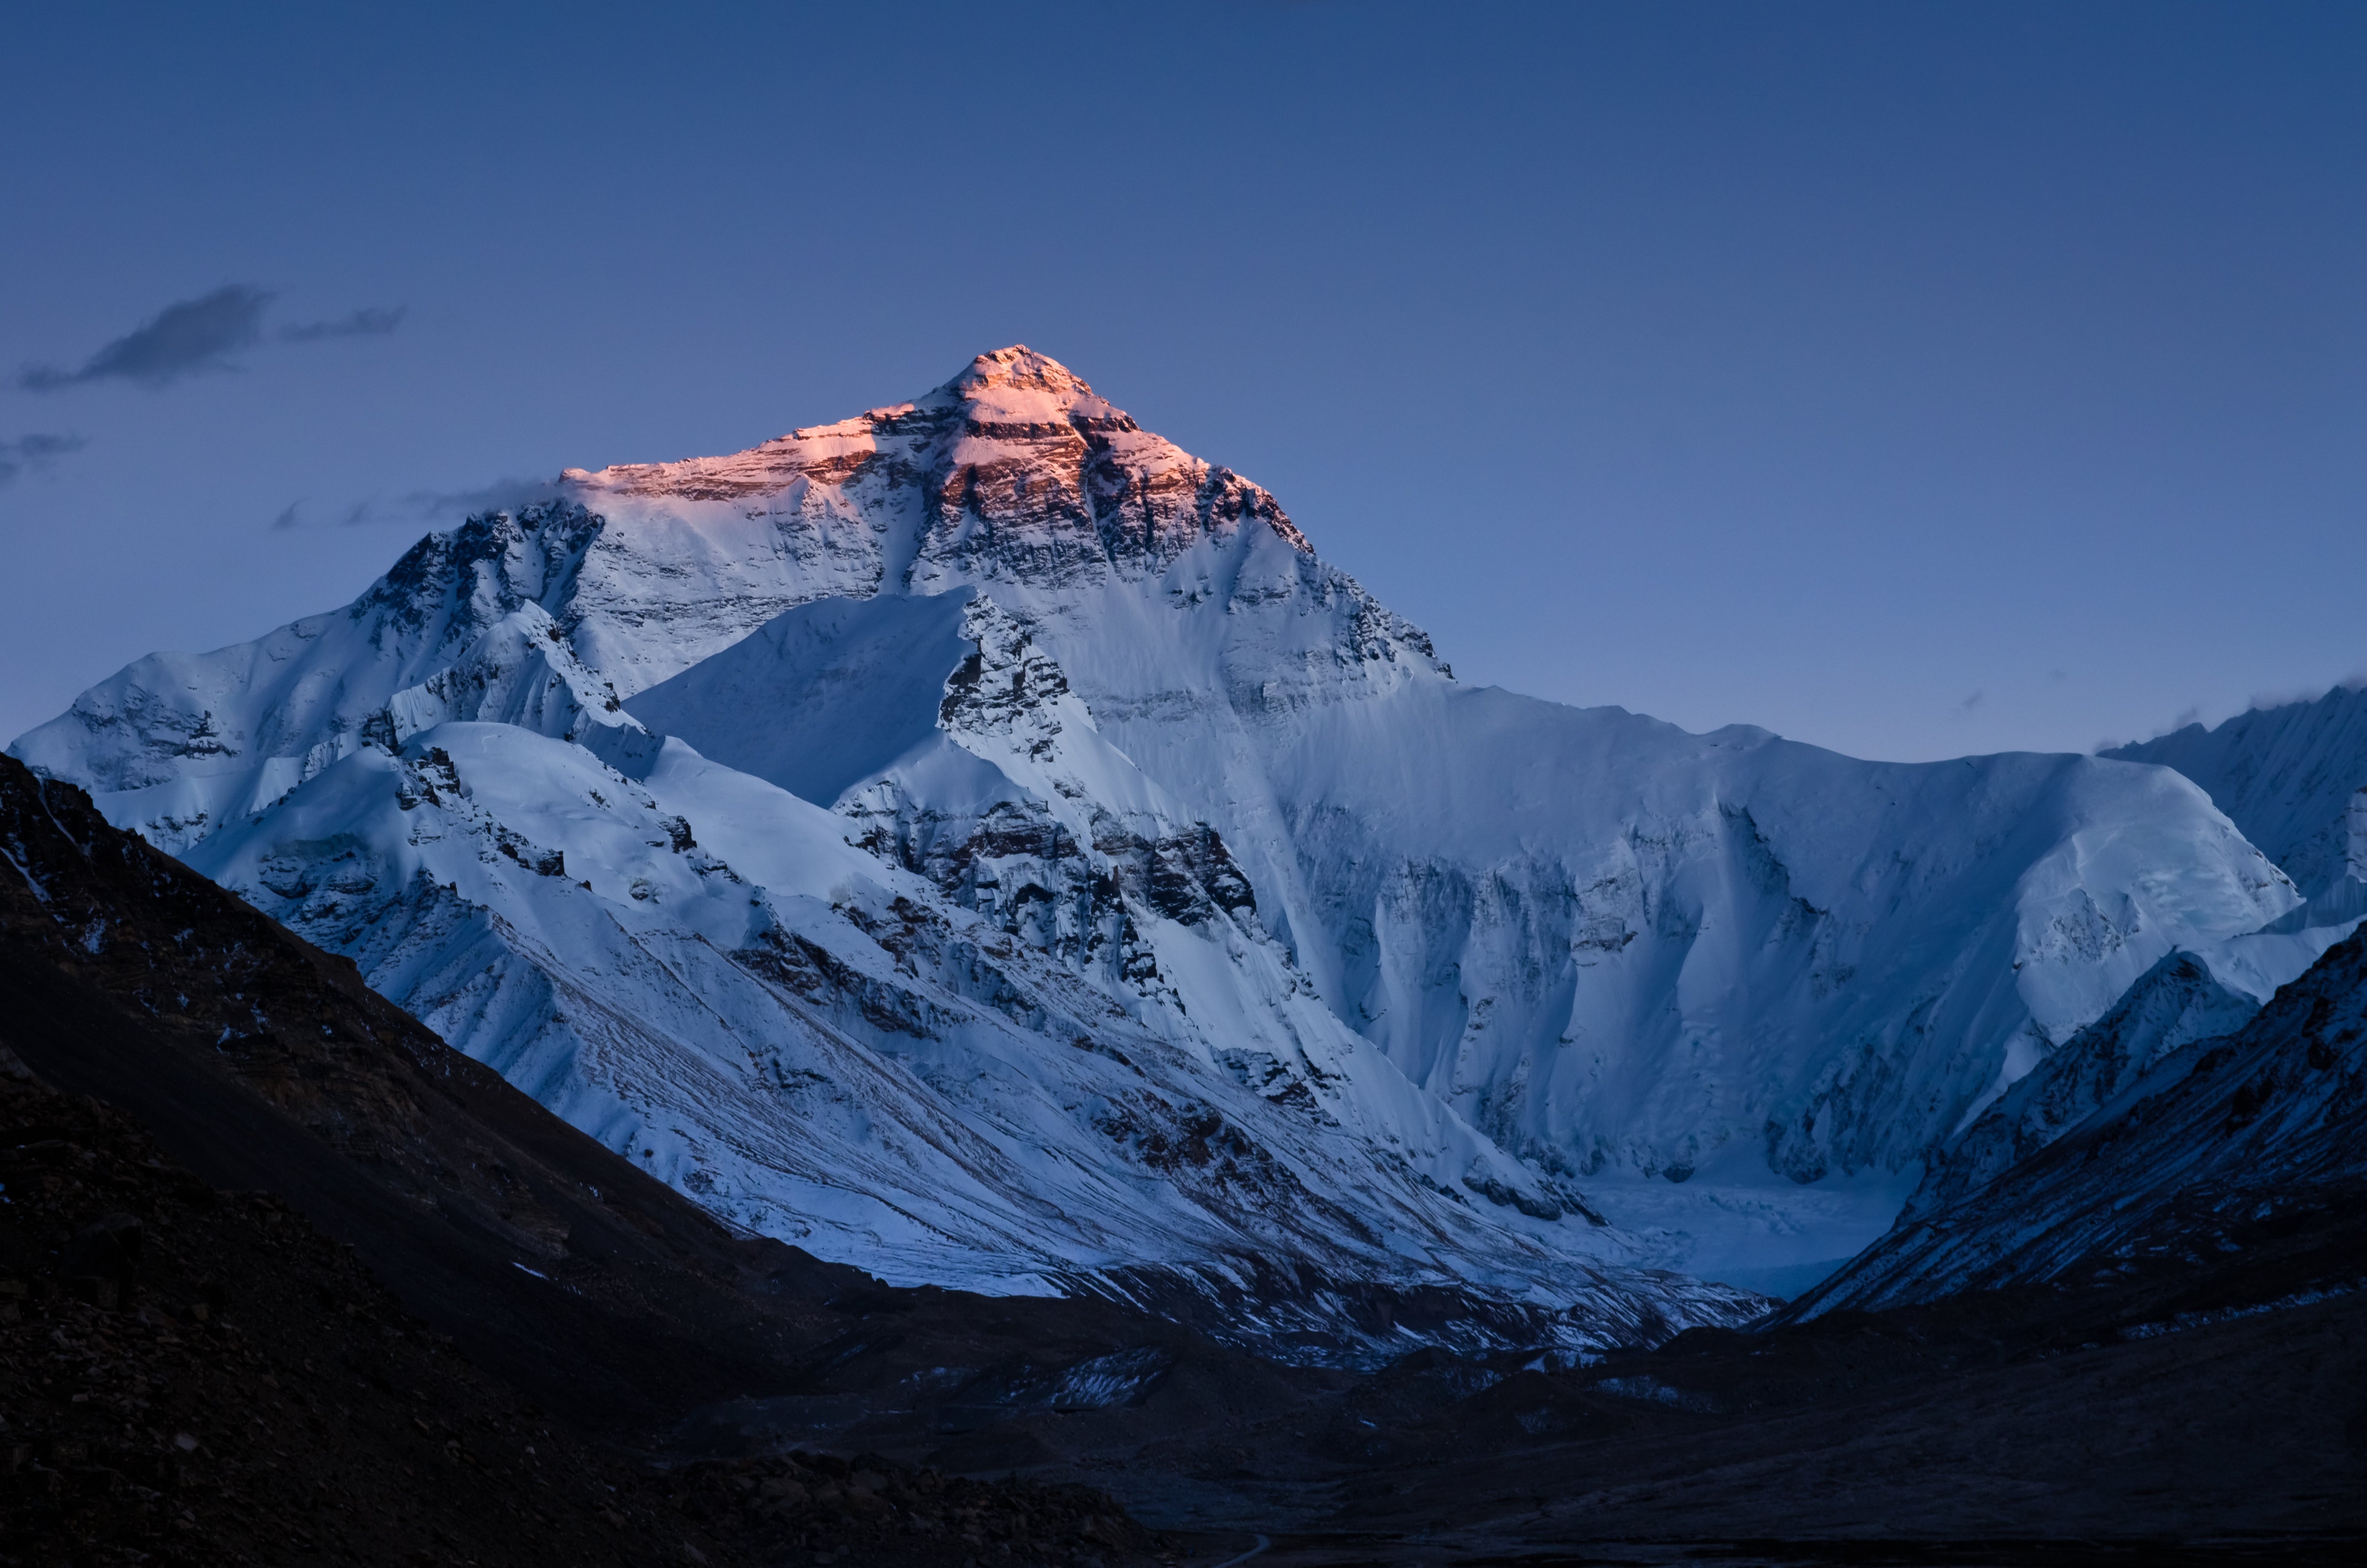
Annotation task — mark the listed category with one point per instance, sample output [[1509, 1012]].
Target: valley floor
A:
[[2030, 1427]]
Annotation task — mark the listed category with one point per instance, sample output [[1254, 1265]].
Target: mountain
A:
[[2233, 1167], [2172, 1005], [2293, 778], [980, 841], [2284, 775]]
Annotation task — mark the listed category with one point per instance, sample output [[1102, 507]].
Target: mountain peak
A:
[[1018, 367], [1056, 479], [1008, 392], [1017, 385]]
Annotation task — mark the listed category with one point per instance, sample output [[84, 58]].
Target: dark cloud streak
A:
[[501, 495], [34, 451], [370, 321], [419, 505], [185, 339], [197, 337]]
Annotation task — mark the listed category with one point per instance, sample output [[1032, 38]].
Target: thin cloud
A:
[[1964, 709], [370, 321], [2193, 712], [32, 452], [501, 495], [419, 505], [190, 338], [2287, 697], [199, 337]]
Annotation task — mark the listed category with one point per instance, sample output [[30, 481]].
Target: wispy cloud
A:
[[185, 339], [302, 514], [1965, 709], [501, 495], [2287, 695], [34, 451], [420, 506], [370, 321], [2190, 714], [200, 336]]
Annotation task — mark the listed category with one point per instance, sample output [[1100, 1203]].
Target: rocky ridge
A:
[[2234, 1164]]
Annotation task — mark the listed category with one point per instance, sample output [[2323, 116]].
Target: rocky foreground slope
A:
[[2223, 1155], [193, 1376]]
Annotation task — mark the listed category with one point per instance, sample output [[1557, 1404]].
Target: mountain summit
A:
[[983, 842], [1017, 463]]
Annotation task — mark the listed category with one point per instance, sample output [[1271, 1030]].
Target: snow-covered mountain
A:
[[2172, 1005], [984, 842], [2220, 1149], [2290, 776], [2293, 778]]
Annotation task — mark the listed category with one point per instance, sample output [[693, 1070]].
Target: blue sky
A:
[[1910, 379]]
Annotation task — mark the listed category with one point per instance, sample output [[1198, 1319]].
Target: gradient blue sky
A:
[[1913, 379]]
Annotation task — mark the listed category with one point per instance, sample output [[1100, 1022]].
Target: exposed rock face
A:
[[1127, 762], [1069, 865], [2220, 1149], [2174, 1003]]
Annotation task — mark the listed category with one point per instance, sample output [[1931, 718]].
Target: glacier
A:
[[980, 841]]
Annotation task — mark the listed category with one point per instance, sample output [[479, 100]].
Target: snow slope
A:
[[1093, 709], [2293, 776], [810, 1044]]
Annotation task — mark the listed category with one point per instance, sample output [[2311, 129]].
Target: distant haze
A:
[[1911, 380]]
